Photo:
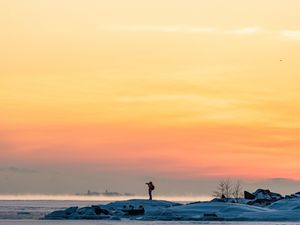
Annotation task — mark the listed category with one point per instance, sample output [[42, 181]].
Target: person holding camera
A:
[[151, 188]]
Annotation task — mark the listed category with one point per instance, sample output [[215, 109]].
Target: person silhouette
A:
[[151, 187]]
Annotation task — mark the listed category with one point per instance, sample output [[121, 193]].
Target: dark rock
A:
[[71, 210], [134, 212], [295, 195], [262, 197], [267, 194], [260, 202], [59, 214], [98, 210], [216, 200], [86, 211], [211, 217], [248, 195]]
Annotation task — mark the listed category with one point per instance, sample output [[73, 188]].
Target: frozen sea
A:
[[29, 212]]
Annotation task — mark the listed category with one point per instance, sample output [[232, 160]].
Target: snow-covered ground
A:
[[282, 210], [140, 211]]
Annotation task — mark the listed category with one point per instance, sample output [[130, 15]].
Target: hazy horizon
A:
[[65, 182]]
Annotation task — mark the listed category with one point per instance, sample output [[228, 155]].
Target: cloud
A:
[[13, 169], [206, 100], [183, 29], [200, 29], [246, 31], [163, 29], [281, 179], [243, 31], [291, 33]]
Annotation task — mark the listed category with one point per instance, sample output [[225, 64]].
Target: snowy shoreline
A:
[[277, 209]]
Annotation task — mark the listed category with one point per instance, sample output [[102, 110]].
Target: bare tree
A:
[[224, 189], [237, 190], [228, 188], [220, 189]]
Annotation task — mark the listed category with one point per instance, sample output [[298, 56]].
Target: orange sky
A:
[[164, 88]]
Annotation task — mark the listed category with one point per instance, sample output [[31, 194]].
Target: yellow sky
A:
[[192, 84]]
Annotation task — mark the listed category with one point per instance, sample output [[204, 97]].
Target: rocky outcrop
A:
[[93, 212], [111, 211], [248, 195], [267, 194], [145, 210], [262, 197], [296, 195]]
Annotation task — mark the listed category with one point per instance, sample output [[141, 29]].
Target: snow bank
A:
[[207, 211], [148, 205], [282, 210], [115, 210], [286, 204]]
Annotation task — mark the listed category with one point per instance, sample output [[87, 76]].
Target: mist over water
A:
[[102, 198]]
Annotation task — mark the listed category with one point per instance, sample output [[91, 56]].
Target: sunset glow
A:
[[183, 89]]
